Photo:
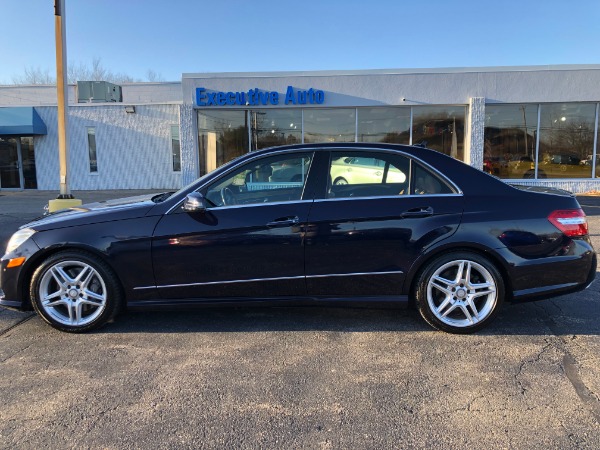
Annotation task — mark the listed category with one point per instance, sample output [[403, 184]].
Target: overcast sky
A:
[[172, 37]]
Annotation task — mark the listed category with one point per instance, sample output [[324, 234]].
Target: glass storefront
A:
[[510, 140], [273, 127], [562, 144], [330, 125], [226, 134], [566, 140], [383, 124], [440, 128], [222, 136]]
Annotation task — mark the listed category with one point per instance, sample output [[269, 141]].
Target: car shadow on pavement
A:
[[536, 318]]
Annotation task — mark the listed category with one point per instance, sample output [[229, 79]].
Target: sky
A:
[[175, 36]]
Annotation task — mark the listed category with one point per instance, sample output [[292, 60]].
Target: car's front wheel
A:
[[75, 291], [459, 292]]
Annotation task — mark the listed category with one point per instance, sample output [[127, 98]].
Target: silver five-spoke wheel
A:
[[459, 292], [75, 291], [72, 293]]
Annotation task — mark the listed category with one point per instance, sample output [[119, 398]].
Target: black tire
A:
[[75, 291], [340, 181], [450, 302]]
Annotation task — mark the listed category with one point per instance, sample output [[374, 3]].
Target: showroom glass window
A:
[[566, 140], [91, 135], [175, 148], [329, 125], [383, 124], [222, 136], [273, 127], [510, 140], [440, 128]]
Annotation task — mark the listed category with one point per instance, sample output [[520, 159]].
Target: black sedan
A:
[[413, 226]]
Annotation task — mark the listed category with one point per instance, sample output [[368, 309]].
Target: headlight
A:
[[18, 238]]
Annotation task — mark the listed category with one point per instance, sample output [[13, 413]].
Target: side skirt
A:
[[366, 302]]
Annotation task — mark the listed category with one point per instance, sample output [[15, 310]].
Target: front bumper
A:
[[10, 304]]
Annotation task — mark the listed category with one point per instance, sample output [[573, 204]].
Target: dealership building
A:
[[531, 125]]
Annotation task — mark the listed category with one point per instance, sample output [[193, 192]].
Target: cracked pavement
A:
[[302, 377]]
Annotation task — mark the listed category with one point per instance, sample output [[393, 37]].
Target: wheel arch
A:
[[33, 263], [425, 258]]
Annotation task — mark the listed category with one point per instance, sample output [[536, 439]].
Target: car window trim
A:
[[380, 197], [314, 148]]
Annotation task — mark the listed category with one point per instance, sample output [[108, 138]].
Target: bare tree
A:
[[79, 71], [34, 75]]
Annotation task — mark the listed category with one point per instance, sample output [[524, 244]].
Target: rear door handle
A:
[[284, 222], [424, 211]]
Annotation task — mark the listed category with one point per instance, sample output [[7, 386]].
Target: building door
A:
[[11, 176], [17, 163]]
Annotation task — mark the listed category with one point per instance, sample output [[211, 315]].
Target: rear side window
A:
[[426, 183]]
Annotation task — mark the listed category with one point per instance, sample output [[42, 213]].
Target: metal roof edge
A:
[[422, 71]]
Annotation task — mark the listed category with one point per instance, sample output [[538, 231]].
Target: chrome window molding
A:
[[381, 197], [253, 280]]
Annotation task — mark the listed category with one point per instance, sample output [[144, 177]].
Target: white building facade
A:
[[529, 125]]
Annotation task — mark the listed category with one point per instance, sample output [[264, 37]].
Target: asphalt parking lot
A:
[[301, 377]]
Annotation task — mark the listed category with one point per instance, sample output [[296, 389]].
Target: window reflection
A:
[[440, 128], [329, 125], [222, 136], [566, 140], [272, 127], [510, 140], [391, 125]]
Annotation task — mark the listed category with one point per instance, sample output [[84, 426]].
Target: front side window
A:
[[91, 135], [366, 174], [278, 178]]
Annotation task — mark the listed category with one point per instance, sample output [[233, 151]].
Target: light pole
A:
[[65, 199]]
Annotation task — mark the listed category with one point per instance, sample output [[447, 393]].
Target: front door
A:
[[10, 164], [248, 243]]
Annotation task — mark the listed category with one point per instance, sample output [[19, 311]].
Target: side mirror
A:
[[194, 202]]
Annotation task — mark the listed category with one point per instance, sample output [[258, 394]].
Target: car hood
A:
[[116, 209]]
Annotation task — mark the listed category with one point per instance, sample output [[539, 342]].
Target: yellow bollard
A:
[[62, 203]]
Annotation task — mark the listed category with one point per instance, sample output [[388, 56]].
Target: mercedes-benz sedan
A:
[[274, 226]]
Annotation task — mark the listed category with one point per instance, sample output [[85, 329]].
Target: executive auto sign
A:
[[258, 97]]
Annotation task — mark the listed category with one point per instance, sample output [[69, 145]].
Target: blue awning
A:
[[21, 121]]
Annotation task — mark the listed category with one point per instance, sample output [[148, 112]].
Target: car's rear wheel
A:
[[75, 291], [340, 181], [459, 292]]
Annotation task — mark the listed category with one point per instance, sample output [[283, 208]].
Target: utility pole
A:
[[65, 199]]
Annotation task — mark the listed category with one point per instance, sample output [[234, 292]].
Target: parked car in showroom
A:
[[431, 231]]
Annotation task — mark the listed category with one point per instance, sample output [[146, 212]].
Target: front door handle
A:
[[424, 211], [284, 222]]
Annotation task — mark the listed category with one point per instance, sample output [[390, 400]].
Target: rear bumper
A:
[[554, 276]]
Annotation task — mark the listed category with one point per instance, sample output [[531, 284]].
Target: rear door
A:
[[362, 237]]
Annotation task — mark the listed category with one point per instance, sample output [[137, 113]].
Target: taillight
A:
[[571, 222]]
